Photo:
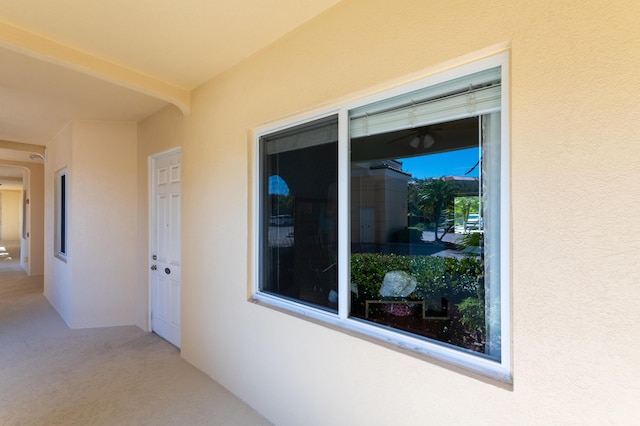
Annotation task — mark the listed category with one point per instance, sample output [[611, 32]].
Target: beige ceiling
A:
[[123, 59]]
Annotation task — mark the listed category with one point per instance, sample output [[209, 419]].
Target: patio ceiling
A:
[[122, 60]]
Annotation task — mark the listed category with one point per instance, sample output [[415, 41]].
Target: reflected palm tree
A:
[[435, 196]]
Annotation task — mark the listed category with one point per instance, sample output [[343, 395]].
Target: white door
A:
[[164, 276]]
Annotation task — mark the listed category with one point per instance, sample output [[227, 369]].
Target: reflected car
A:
[[474, 221], [281, 220]]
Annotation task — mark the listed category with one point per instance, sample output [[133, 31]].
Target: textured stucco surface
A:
[[94, 287], [574, 201]]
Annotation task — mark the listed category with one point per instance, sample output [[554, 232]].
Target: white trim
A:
[[505, 218], [344, 235], [501, 370]]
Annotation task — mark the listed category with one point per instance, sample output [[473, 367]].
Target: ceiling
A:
[[447, 136], [66, 60]]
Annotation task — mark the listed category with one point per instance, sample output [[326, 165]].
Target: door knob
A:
[[154, 267], [167, 271]]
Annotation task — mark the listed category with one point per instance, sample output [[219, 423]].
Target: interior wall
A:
[[574, 187]]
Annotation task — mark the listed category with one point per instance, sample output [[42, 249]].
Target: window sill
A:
[[437, 353]]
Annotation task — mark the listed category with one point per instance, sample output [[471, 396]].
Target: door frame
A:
[[150, 215]]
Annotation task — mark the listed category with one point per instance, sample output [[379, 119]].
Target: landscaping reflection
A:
[[426, 235], [447, 303]]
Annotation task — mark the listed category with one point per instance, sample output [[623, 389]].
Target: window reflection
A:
[[300, 259], [417, 232]]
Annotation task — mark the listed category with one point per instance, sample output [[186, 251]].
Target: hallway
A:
[[52, 375]]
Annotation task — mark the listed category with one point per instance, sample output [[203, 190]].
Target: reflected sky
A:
[[454, 163], [277, 185]]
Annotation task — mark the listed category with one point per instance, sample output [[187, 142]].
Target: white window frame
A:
[[501, 370], [61, 237]]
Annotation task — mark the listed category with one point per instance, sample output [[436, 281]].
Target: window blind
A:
[[468, 96], [315, 133]]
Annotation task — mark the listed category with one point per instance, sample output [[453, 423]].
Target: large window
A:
[[389, 216]]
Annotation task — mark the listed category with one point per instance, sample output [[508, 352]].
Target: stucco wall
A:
[[159, 133], [104, 226], [96, 286], [58, 285], [11, 215], [575, 189], [32, 248]]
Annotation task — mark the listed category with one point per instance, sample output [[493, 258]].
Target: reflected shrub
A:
[[472, 313], [368, 271], [438, 277]]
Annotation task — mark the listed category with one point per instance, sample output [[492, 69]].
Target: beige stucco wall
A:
[[96, 286], [58, 284], [104, 208], [31, 248], [11, 215], [575, 189], [159, 133]]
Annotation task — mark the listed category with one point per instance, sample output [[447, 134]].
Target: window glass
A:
[[63, 214], [60, 239], [299, 221], [417, 232]]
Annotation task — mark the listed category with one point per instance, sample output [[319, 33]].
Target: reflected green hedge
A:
[[453, 279]]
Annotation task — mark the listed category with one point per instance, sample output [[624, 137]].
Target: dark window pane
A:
[[63, 214], [299, 222]]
